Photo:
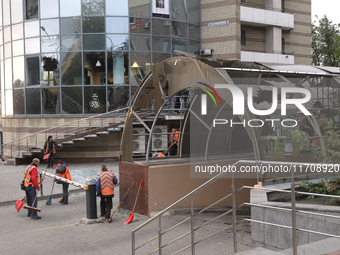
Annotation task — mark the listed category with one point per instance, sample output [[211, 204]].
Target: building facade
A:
[[61, 60]]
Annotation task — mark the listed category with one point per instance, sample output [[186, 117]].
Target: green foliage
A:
[[325, 43]]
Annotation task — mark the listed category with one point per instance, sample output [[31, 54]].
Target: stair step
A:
[[78, 139], [26, 155], [90, 136], [103, 133], [37, 151], [67, 143], [114, 129]]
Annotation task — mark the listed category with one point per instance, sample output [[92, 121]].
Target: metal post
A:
[[133, 242], [234, 216], [41, 185], [192, 226], [292, 193], [91, 199], [160, 236]]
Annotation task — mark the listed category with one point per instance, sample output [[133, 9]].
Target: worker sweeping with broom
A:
[[63, 171], [105, 189], [31, 184]]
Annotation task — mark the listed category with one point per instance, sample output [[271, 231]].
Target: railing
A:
[[193, 228], [64, 133]]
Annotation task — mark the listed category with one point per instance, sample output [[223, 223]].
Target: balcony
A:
[[260, 17], [267, 57]]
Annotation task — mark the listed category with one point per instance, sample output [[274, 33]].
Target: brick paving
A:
[[59, 230]]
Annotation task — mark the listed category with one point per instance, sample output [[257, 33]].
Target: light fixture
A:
[[135, 65], [98, 63]]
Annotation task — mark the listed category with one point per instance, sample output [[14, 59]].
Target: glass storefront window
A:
[[6, 12], [32, 29], [50, 44], [159, 57], [161, 26], [72, 100], [71, 68], [18, 72], [94, 68], [2, 76], [1, 53], [114, 9], [32, 9], [95, 99], [49, 27], [194, 46], [140, 66], [118, 68], [179, 29], [93, 25], [32, 46], [7, 34], [9, 102], [33, 102], [94, 42], [8, 73], [32, 71], [19, 101], [139, 7], [3, 106], [162, 44], [117, 42], [139, 25], [49, 9], [117, 25], [94, 7], [70, 43], [180, 44], [18, 48], [140, 42], [118, 97], [50, 98], [179, 10], [50, 69], [70, 8], [16, 11], [17, 32], [70, 26], [194, 32], [194, 11], [1, 13], [8, 50]]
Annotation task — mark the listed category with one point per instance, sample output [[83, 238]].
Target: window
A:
[[32, 75], [32, 9], [243, 37], [283, 46]]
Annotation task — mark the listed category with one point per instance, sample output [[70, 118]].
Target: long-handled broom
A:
[[121, 201], [128, 220], [48, 202], [31, 207]]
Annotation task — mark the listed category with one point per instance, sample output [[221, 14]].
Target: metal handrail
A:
[[48, 129], [233, 210]]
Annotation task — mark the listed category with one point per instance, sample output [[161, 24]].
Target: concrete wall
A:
[[278, 238]]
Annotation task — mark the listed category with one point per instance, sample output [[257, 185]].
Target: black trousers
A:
[[105, 206], [50, 160], [65, 191]]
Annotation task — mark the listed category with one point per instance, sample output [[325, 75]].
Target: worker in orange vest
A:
[[174, 141], [31, 182], [105, 189], [63, 171], [50, 148], [158, 155]]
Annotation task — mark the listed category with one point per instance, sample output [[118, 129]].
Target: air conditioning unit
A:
[[160, 138], [138, 140], [147, 24], [206, 52]]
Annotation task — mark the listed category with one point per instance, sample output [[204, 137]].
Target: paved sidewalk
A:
[[59, 230]]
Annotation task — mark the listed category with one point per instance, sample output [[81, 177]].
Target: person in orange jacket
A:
[[31, 182], [63, 171], [50, 148], [174, 141]]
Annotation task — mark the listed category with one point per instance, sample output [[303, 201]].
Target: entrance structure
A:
[[156, 103]]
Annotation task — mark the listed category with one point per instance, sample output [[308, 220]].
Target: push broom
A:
[[131, 214], [48, 202]]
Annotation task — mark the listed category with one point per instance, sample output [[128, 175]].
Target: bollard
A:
[[91, 199]]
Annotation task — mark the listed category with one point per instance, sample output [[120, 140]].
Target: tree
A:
[[324, 47]]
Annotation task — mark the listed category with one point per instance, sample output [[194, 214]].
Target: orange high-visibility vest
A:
[[106, 183], [53, 151], [176, 138], [160, 154], [28, 177], [66, 175]]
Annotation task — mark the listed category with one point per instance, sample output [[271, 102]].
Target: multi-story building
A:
[[61, 60]]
